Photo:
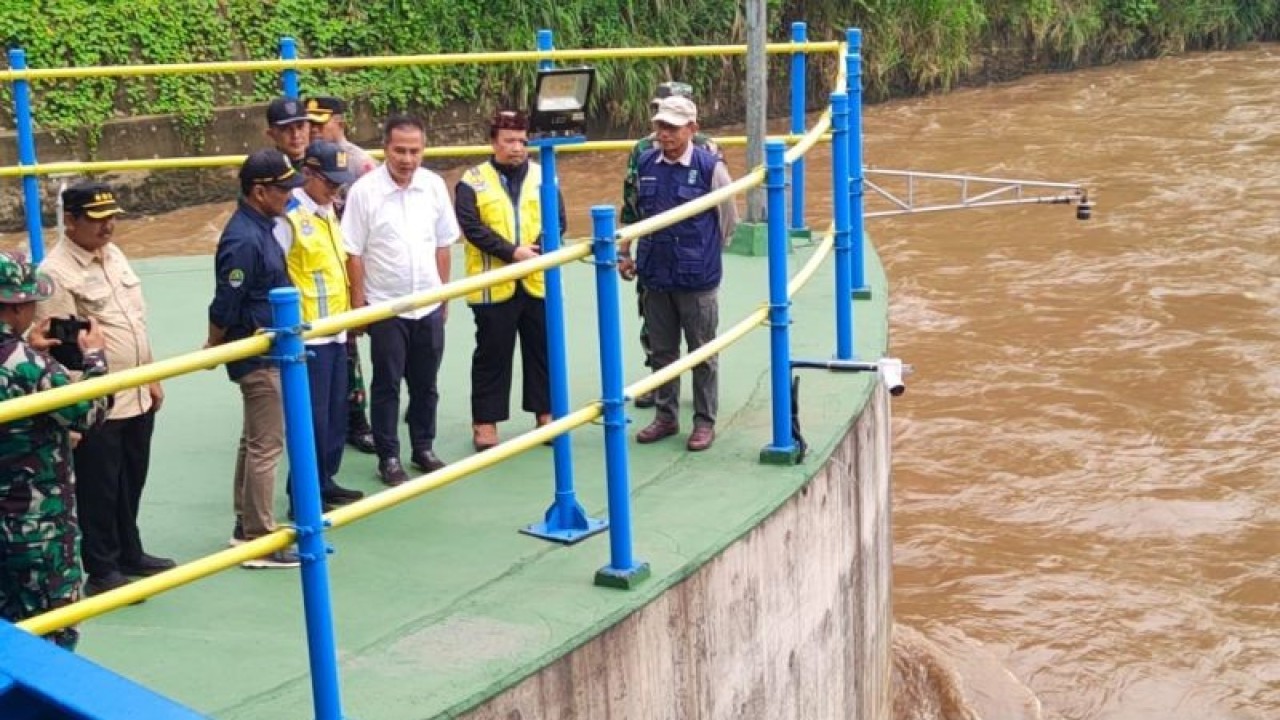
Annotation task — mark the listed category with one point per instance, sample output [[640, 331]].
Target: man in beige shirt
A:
[[93, 279]]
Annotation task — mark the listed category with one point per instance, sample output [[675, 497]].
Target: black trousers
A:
[[409, 351], [497, 327], [111, 469]]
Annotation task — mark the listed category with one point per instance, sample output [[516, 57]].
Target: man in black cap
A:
[[312, 243], [248, 264], [93, 280], [288, 128], [328, 122]]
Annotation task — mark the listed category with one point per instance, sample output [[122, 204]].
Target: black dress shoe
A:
[[362, 441], [147, 565], [426, 461], [325, 506], [105, 583], [391, 472], [338, 495], [645, 400]]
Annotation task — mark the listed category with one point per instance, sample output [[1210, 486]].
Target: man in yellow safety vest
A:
[[500, 213]]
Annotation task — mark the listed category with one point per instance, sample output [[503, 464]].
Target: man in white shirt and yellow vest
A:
[[500, 214], [311, 238]]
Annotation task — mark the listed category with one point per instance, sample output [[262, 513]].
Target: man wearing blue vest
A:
[[630, 208], [311, 238], [680, 265], [500, 212]]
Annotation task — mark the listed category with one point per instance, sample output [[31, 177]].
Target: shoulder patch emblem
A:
[[235, 278]]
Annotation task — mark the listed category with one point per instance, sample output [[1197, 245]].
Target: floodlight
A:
[[560, 105]]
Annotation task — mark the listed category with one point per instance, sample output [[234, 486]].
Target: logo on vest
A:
[[307, 227], [693, 176]]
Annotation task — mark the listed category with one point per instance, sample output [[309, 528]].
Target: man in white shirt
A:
[[398, 226]]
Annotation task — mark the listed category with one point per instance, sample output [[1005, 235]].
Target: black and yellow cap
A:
[[269, 167], [321, 108], [94, 199]]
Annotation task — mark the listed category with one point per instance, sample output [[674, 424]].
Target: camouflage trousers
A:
[[357, 399], [38, 577]]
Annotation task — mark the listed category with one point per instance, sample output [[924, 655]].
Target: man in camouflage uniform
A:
[[39, 537], [631, 208]]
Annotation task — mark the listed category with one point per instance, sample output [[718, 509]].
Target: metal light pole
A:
[[757, 93]]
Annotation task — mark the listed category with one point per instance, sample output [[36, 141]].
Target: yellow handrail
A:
[[47, 400], [205, 359], [513, 56], [213, 161]]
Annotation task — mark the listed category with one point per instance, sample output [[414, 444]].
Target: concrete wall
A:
[[793, 621]]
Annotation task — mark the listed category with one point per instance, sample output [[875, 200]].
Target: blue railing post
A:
[[290, 353], [622, 571], [783, 450], [27, 155], [857, 231], [840, 197], [546, 43], [799, 60], [565, 521], [289, 77]]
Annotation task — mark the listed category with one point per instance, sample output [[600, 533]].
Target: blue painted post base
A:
[[566, 523], [622, 579], [750, 239], [770, 455], [802, 236]]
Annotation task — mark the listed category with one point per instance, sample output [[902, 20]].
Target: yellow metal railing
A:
[[215, 161], [514, 56], [209, 358]]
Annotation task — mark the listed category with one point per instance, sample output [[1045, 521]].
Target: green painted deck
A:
[[440, 603]]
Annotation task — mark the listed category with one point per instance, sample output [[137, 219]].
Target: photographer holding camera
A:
[[93, 280], [39, 537]]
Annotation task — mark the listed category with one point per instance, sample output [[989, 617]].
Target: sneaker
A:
[[106, 583], [426, 461], [237, 534], [391, 472], [275, 561], [148, 565]]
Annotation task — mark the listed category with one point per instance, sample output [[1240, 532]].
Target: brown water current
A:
[[1087, 463]]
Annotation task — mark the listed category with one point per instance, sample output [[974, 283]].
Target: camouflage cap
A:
[[673, 89], [20, 281]]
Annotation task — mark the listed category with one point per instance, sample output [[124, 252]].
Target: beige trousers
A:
[[261, 444]]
